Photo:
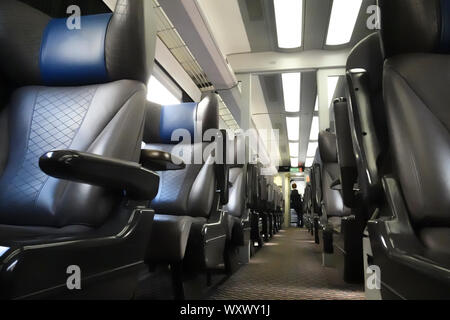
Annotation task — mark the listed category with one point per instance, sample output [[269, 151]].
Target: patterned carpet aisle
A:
[[288, 268]]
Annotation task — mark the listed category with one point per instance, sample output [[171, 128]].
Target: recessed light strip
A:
[[293, 128], [293, 149], [342, 21], [289, 22], [291, 91]]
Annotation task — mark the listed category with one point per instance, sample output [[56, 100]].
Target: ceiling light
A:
[[316, 106], [309, 162], [312, 148], [293, 149], [314, 136], [289, 21], [294, 162], [293, 128], [332, 84], [291, 91], [342, 21]]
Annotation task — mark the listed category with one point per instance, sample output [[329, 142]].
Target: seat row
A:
[[99, 184], [384, 171]]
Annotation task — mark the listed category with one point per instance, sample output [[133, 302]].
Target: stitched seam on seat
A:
[[76, 133], [100, 133]]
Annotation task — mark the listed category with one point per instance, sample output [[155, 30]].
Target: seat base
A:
[[108, 268]]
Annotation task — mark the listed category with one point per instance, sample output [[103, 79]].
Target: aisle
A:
[[288, 268]]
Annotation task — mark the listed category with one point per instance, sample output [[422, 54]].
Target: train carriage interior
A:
[[216, 150]]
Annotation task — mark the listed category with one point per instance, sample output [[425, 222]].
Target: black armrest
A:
[[138, 182], [160, 161]]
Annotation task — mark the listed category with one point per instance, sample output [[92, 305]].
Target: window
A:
[[162, 89]]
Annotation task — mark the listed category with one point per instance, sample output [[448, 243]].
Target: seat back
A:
[[307, 199], [416, 78], [238, 184], [71, 89], [348, 171], [180, 130], [332, 199], [253, 186]]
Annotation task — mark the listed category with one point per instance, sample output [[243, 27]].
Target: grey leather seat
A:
[[238, 208], [279, 209], [83, 91], [188, 206], [264, 205], [333, 208], [253, 173], [410, 234]]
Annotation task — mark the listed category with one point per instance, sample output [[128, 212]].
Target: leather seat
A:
[[238, 197], [279, 209], [270, 205], [409, 235], [332, 203], [367, 121], [188, 206], [84, 91], [307, 205], [263, 206], [253, 173], [361, 128]]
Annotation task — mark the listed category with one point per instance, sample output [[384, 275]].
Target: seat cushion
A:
[[11, 234]]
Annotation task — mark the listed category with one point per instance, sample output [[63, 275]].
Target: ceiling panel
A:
[[259, 20], [226, 24]]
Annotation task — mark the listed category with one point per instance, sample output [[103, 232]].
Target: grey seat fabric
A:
[[186, 198], [421, 115], [331, 199], [48, 111], [416, 78]]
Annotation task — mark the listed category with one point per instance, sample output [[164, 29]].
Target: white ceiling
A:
[[262, 120], [225, 22]]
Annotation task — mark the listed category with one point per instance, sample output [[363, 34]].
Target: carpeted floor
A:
[[289, 267]]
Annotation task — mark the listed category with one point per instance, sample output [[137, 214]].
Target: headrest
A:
[[415, 26], [367, 55], [162, 121], [327, 147], [39, 50]]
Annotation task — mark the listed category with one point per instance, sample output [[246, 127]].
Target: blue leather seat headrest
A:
[[70, 57], [415, 26], [39, 50], [180, 116], [196, 118]]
